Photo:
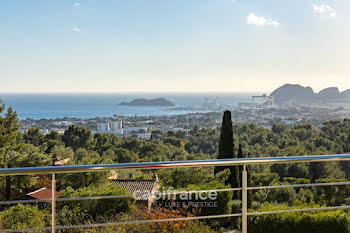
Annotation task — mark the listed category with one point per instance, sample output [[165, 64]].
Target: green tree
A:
[[182, 177], [106, 141], [27, 156], [62, 152], [226, 150], [23, 216], [78, 137], [80, 212], [123, 155], [8, 134], [9, 159], [53, 135], [34, 136], [50, 144], [85, 179], [8, 127]]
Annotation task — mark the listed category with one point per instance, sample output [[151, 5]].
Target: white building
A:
[[103, 127], [116, 125], [110, 127]]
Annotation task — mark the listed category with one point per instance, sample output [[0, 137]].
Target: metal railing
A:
[[172, 164]]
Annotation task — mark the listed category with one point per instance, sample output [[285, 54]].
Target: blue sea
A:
[[51, 106]]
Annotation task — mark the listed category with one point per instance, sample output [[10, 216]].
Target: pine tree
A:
[[226, 151], [78, 137], [8, 133], [8, 127]]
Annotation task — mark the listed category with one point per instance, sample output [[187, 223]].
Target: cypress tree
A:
[[226, 146], [226, 151]]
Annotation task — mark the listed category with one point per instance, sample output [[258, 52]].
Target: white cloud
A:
[[261, 21], [324, 9], [76, 29], [77, 4]]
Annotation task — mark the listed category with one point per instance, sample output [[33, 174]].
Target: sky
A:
[[173, 45]]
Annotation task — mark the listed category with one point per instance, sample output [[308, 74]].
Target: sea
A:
[[91, 105]]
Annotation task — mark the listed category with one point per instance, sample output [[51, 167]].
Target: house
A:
[[144, 189], [56, 161]]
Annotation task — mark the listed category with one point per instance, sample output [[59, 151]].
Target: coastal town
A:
[[262, 110], [287, 105], [142, 127]]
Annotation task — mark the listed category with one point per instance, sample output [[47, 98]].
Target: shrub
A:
[[163, 227], [221, 204], [302, 222], [78, 212], [332, 195], [155, 227], [23, 216]]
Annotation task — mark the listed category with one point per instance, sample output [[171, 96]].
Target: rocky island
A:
[[149, 102]]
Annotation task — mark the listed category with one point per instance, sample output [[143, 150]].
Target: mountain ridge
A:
[[300, 95]]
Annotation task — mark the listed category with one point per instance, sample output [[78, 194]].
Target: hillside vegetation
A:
[[77, 143]]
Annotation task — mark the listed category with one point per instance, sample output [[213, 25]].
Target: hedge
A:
[[334, 221]]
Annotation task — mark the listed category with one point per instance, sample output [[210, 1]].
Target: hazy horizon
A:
[[199, 46], [153, 92]]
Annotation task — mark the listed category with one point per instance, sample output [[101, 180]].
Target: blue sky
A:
[[173, 45]]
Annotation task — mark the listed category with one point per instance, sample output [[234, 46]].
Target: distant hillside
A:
[[146, 102], [303, 95]]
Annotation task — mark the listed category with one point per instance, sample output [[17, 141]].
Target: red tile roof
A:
[[43, 193]]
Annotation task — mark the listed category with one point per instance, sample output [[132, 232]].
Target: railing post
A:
[[244, 200], [53, 205]]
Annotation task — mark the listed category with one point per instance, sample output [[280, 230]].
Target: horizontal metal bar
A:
[[178, 219], [170, 164], [66, 199], [197, 191], [299, 210], [173, 193], [95, 197], [24, 201], [300, 185], [115, 196]]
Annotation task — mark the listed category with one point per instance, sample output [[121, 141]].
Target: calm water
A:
[[52, 106]]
